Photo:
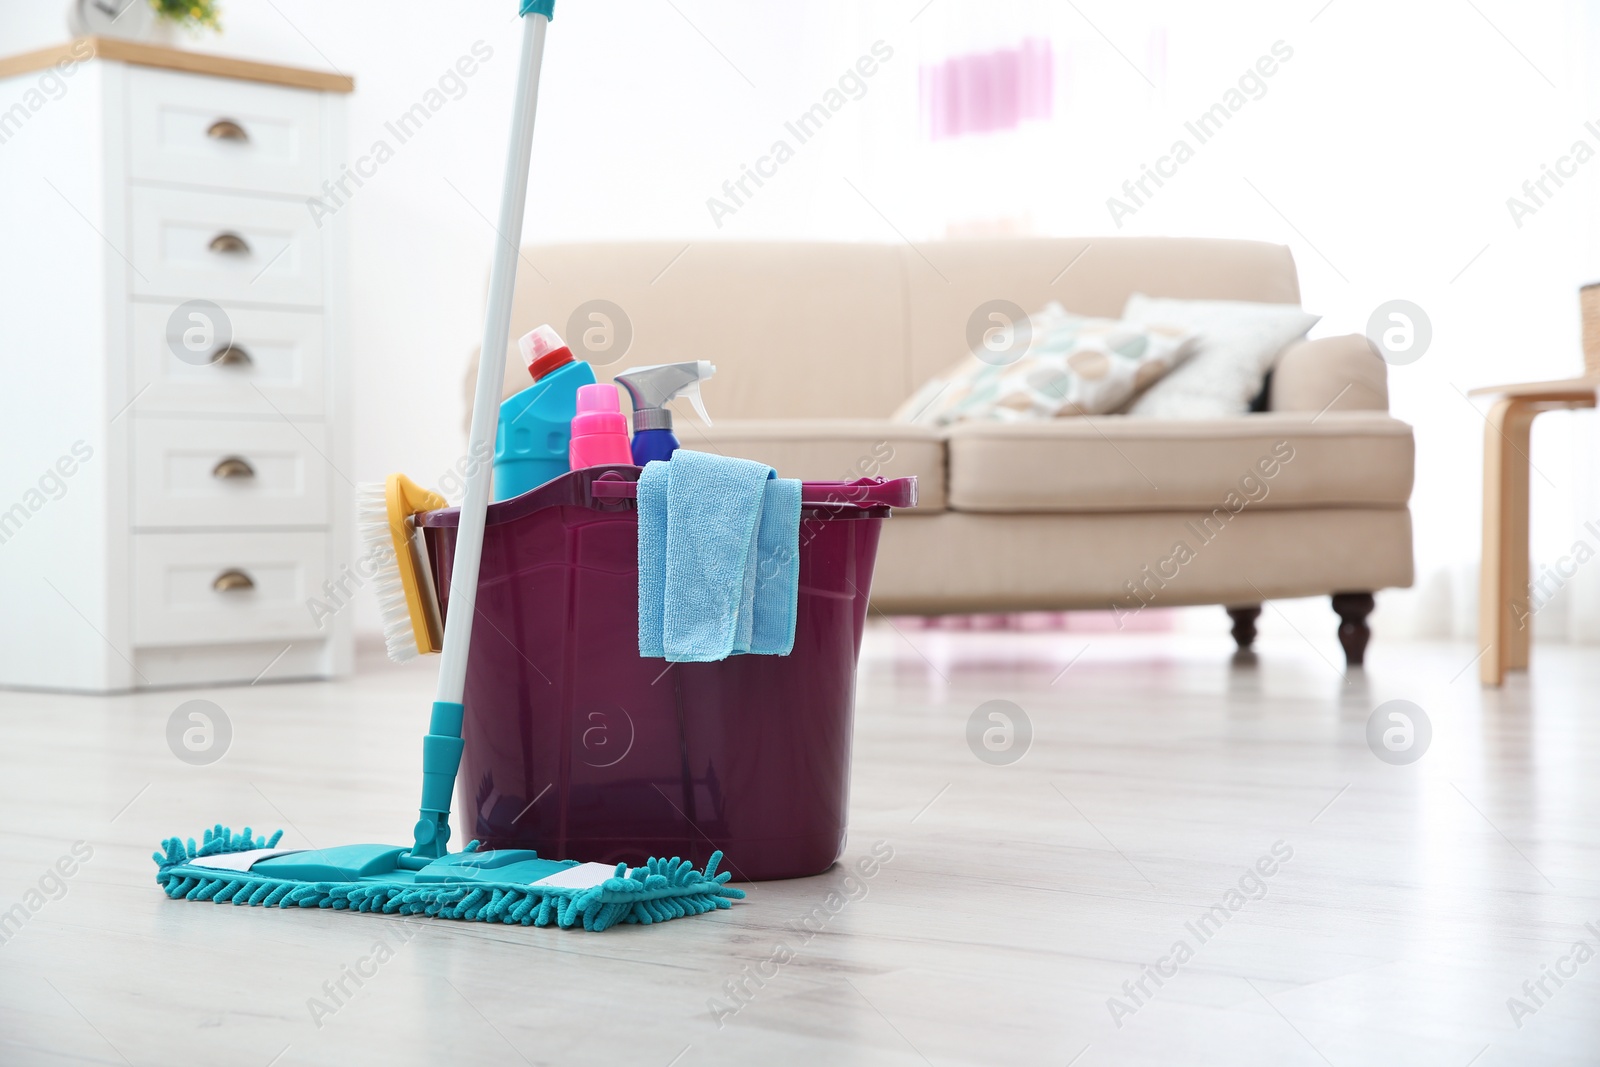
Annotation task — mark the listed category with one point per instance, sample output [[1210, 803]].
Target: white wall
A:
[[640, 121], [1387, 148], [1383, 153]]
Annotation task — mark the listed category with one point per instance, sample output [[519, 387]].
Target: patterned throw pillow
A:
[[1073, 365]]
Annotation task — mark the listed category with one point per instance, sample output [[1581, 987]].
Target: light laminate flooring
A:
[[1406, 904]]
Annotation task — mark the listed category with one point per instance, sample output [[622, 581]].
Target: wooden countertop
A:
[[155, 55]]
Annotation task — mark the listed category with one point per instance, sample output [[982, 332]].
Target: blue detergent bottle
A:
[[530, 442], [650, 389]]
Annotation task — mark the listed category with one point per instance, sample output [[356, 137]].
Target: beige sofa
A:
[[815, 344]]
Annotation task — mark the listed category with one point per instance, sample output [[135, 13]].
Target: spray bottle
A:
[[650, 389]]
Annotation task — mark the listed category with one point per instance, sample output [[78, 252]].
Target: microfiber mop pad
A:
[[493, 891]]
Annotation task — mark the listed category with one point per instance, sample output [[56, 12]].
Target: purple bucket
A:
[[579, 748]]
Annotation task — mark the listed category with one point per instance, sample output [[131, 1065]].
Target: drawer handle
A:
[[233, 467], [231, 354], [227, 130], [228, 243], [232, 581]]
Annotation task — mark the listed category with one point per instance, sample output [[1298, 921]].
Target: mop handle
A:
[[441, 748], [491, 365]]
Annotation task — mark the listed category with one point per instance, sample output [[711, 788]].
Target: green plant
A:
[[200, 14]]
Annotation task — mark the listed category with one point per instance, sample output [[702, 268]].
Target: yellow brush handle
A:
[[406, 498]]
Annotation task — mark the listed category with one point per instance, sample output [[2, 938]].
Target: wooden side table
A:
[[1505, 608]]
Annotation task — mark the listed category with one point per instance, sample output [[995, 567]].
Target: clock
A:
[[132, 20]]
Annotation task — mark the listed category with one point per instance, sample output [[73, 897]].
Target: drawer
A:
[[216, 246], [191, 588], [275, 363], [214, 472], [198, 130]]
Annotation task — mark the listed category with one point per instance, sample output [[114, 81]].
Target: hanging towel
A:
[[777, 569], [719, 558]]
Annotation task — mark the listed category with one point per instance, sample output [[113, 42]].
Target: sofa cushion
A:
[[1261, 462], [797, 329], [786, 322], [830, 450], [956, 561]]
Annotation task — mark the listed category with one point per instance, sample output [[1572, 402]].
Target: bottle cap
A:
[[599, 399], [544, 351]]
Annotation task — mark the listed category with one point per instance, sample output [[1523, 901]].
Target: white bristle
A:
[[372, 522]]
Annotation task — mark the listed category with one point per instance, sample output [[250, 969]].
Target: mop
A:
[[497, 886]]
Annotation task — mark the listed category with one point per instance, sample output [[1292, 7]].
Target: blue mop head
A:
[[656, 892]]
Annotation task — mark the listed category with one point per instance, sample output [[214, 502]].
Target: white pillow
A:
[[1237, 345]]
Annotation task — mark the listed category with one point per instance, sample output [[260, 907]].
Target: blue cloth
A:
[[719, 558]]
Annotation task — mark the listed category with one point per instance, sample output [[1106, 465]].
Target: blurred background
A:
[[1383, 152]]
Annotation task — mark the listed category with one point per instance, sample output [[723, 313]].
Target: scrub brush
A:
[[407, 598]]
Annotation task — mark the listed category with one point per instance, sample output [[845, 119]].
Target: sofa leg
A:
[[1244, 625], [1353, 609]]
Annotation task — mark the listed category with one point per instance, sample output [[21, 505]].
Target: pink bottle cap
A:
[[599, 399]]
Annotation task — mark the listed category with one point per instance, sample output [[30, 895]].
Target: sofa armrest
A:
[[1330, 373]]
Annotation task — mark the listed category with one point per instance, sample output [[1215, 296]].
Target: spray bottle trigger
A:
[[692, 392], [705, 370]]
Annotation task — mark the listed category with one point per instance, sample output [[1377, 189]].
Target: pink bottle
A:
[[599, 430]]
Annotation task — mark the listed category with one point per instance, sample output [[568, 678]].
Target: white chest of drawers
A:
[[174, 507]]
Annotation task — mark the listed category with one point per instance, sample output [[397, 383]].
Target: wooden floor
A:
[[1019, 900]]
